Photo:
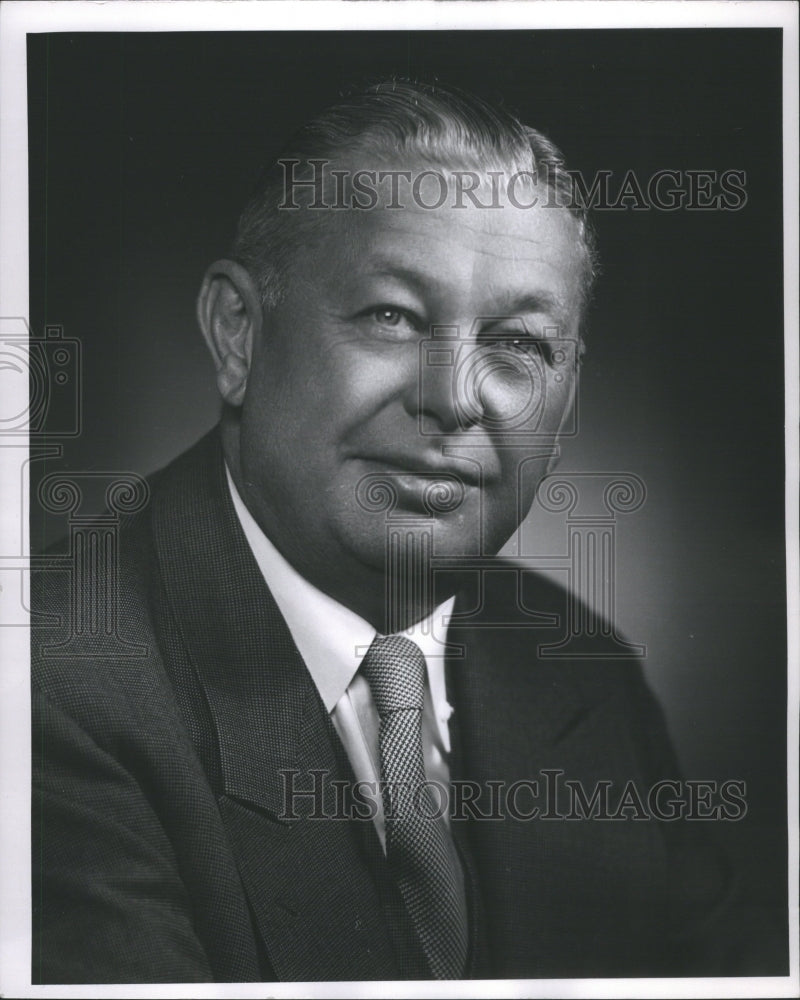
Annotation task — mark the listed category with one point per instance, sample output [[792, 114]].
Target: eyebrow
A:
[[534, 302], [381, 267], [540, 301]]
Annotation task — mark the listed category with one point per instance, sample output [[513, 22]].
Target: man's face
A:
[[348, 389]]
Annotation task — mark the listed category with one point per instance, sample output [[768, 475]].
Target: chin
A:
[[415, 540]]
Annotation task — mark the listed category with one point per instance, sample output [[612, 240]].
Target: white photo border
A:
[[20, 18]]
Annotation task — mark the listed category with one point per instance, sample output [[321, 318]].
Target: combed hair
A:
[[389, 121]]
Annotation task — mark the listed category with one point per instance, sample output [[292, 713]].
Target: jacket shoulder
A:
[[98, 610]]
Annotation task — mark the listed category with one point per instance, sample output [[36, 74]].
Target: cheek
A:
[[310, 400], [560, 391], [514, 394], [526, 449], [527, 421], [357, 386]]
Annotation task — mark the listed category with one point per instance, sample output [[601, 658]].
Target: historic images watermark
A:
[[550, 795], [42, 412], [323, 186]]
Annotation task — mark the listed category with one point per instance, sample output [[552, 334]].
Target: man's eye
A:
[[389, 317], [526, 344], [393, 318], [522, 343]]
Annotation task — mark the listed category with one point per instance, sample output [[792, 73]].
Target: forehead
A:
[[484, 256]]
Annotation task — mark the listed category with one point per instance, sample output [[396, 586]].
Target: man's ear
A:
[[230, 316]]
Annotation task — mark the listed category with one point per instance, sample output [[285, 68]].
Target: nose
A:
[[467, 382], [437, 398]]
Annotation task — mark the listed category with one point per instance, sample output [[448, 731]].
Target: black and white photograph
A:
[[399, 572]]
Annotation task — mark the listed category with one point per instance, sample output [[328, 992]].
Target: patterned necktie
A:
[[416, 847]]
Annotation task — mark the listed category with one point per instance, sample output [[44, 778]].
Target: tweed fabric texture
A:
[[416, 848]]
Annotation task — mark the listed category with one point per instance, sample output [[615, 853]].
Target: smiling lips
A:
[[416, 470]]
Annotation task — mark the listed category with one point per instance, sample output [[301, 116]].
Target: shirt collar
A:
[[331, 639]]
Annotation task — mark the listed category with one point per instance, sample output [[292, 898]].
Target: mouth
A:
[[422, 472], [433, 488]]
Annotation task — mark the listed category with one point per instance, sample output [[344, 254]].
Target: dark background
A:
[[143, 148]]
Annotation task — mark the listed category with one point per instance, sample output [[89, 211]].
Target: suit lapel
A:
[[510, 709], [311, 894], [552, 886], [511, 705]]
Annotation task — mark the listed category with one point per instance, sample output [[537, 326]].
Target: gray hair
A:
[[437, 126]]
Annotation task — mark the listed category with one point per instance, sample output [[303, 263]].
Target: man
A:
[[306, 774]]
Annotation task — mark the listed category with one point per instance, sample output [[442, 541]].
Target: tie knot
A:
[[395, 669]]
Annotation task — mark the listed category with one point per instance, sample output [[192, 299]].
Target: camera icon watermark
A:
[[42, 382], [500, 375]]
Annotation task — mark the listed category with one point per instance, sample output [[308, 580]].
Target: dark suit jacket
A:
[[160, 851]]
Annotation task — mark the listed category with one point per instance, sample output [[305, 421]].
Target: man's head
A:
[[407, 322], [384, 125]]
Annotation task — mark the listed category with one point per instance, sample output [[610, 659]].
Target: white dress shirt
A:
[[332, 641]]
